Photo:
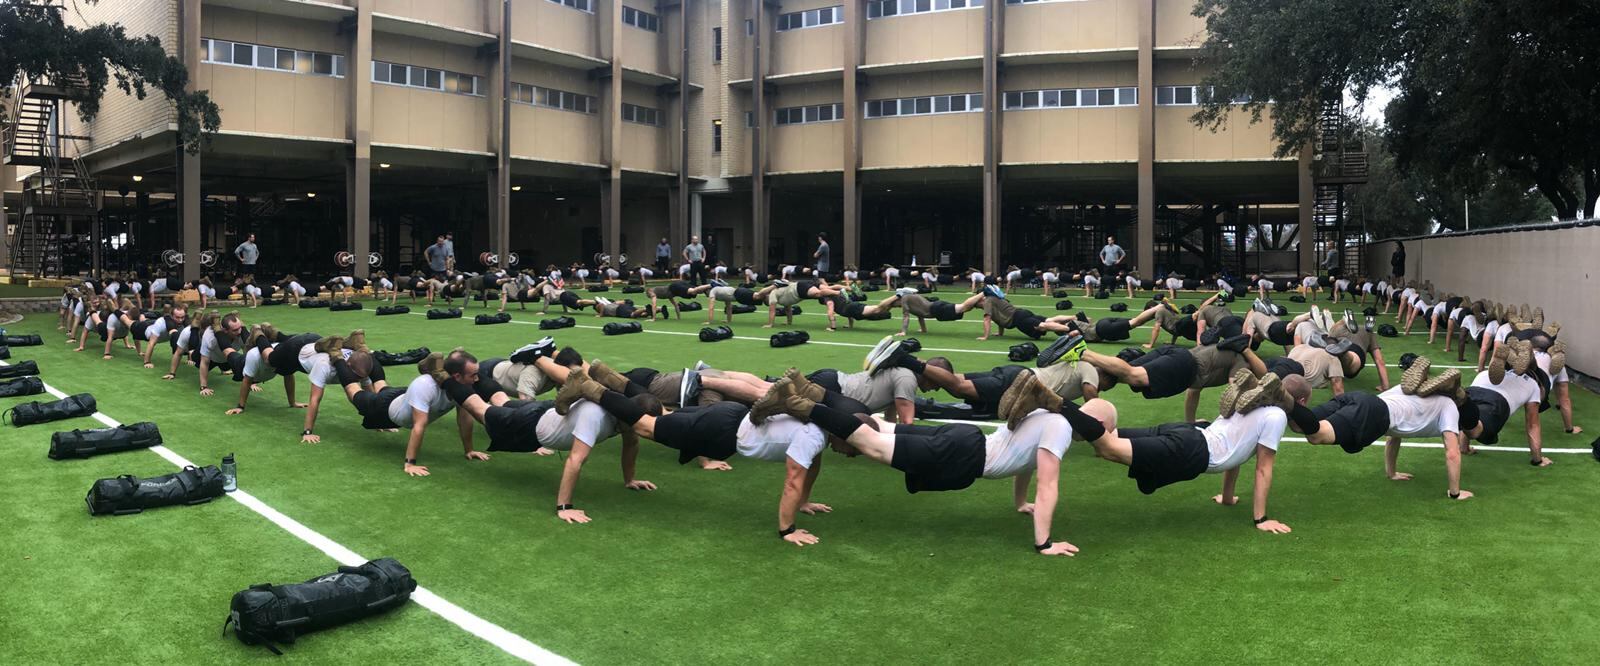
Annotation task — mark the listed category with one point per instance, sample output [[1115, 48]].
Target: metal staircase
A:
[[1341, 160], [60, 200]]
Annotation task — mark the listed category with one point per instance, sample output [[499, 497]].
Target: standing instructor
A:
[[1111, 255], [695, 254], [247, 253]]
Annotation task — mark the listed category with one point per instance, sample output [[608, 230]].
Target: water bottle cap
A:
[[227, 459]]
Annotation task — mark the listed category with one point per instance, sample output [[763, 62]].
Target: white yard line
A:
[[511, 643]]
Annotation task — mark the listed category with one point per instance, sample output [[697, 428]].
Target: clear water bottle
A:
[[230, 474], [913, 260]]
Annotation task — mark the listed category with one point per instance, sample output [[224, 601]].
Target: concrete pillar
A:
[[678, 217], [358, 168], [500, 218], [189, 164], [1305, 233], [610, 20], [1145, 251], [696, 210], [993, 104], [760, 225], [851, 242]]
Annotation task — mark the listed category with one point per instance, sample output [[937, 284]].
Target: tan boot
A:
[[1445, 383], [1498, 362], [1415, 375], [1021, 386], [1558, 359], [1521, 359], [578, 387], [1267, 393], [607, 377], [803, 387], [1538, 317], [773, 402], [1241, 381]]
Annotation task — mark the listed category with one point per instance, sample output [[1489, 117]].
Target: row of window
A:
[[817, 113], [1051, 99], [921, 106], [1190, 96], [811, 18], [270, 57], [641, 19], [643, 115], [425, 77], [580, 5], [553, 99], [886, 8]]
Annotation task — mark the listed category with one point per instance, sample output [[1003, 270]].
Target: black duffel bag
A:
[[690, 306], [1119, 307], [384, 310], [633, 289], [1297, 298], [599, 288], [789, 338], [1025, 351], [313, 303], [452, 313], [345, 307], [741, 308], [266, 614], [17, 388], [88, 443], [487, 319], [69, 407], [621, 328], [403, 358], [130, 494], [709, 334], [32, 340], [1060, 293], [22, 369], [5, 352], [789, 310], [1063, 305], [558, 322]]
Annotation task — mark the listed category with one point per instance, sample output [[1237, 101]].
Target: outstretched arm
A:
[[1264, 460], [1045, 497]]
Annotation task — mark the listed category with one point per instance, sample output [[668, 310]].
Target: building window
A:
[[641, 19], [817, 113], [716, 136], [923, 106], [811, 18], [580, 5], [716, 45], [643, 115], [424, 77], [749, 120], [550, 98], [1190, 96], [886, 8], [749, 27], [221, 52], [1070, 97]]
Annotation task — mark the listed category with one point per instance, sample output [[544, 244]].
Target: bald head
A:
[[1103, 411], [1298, 388]]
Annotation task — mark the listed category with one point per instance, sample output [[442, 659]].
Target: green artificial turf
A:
[[1374, 571], [19, 291]]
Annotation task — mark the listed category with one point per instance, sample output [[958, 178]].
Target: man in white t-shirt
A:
[[412, 408], [1496, 402], [260, 368], [1175, 452]]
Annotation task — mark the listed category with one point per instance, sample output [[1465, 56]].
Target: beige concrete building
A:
[[1006, 131]]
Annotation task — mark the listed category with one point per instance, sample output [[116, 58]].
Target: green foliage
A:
[[37, 43], [1490, 95]]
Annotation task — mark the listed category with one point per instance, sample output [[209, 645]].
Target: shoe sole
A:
[[1242, 380], [1008, 400], [1446, 381], [1415, 375], [1267, 393], [1497, 364]]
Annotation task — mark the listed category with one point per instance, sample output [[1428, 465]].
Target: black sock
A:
[[377, 373], [631, 389], [1304, 419], [486, 387], [457, 391], [911, 363], [837, 423], [1083, 425], [346, 375], [621, 407]]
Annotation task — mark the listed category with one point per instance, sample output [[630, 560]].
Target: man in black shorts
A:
[[789, 295], [495, 280], [675, 290], [1000, 312], [624, 309], [913, 304], [730, 296], [853, 311], [1169, 370], [550, 293], [413, 407]]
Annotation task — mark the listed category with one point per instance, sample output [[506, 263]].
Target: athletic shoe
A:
[[1349, 322], [1222, 295], [689, 388], [882, 352], [1498, 361], [1371, 321], [527, 354], [780, 283], [771, 403], [578, 387], [1316, 318], [993, 291], [1415, 375], [1242, 380], [1263, 307], [716, 283], [1558, 359], [1267, 393], [1067, 348], [1339, 347], [602, 300], [905, 291], [1445, 383], [607, 377], [701, 366]]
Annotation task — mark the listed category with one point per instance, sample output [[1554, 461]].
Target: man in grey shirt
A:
[[695, 254], [248, 253], [450, 250], [1111, 255], [437, 255], [823, 255]]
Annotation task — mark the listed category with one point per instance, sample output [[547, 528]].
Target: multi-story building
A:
[[998, 131]]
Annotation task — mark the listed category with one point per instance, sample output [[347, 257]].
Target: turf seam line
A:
[[494, 634], [1406, 444]]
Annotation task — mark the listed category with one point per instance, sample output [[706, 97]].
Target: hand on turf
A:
[[811, 508], [310, 439], [298, 405], [168, 377], [477, 455], [1234, 499], [416, 470], [715, 465], [149, 366], [234, 412], [255, 388], [1274, 527], [573, 516], [639, 484], [1025, 507], [1465, 494], [1545, 462], [105, 357], [206, 392], [801, 538], [1576, 430], [544, 452], [1060, 548], [1399, 476]]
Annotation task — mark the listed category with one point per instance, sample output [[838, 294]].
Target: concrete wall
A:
[[1555, 269], [121, 115]]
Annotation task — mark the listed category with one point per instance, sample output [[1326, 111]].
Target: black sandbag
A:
[[690, 306], [22, 386], [789, 310], [266, 614], [88, 443], [5, 353], [1060, 293], [598, 289], [70, 407], [272, 301], [632, 289], [871, 287], [1188, 309], [1102, 295], [1388, 331], [30, 340], [857, 298], [403, 358], [741, 308], [1119, 307], [313, 303], [487, 319], [789, 338], [451, 313], [23, 369], [1025, 351], [345, 307], [928, 409], [709, 334], [129, 494], [621, 328], [385, 310], [1297, 298], [558, 322], [1063, 305]]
